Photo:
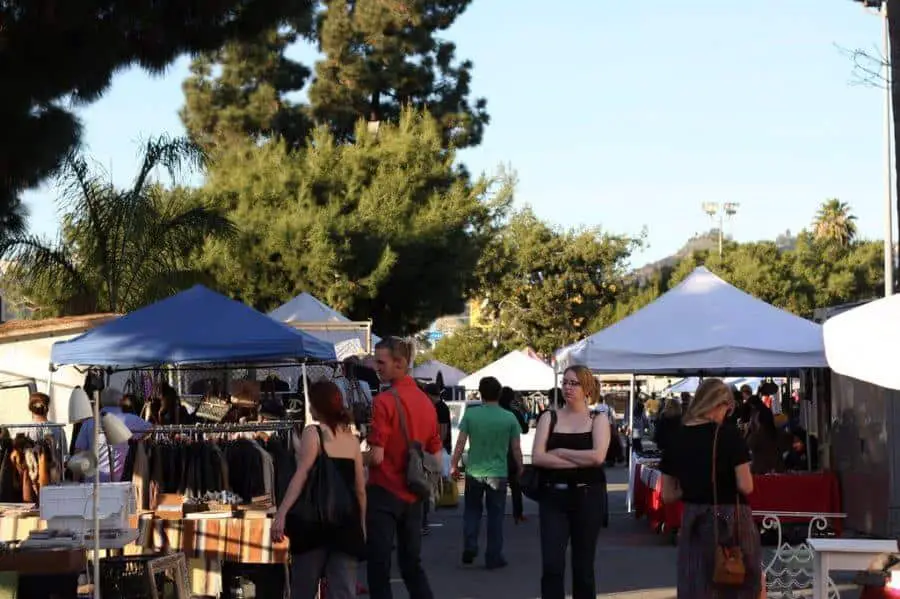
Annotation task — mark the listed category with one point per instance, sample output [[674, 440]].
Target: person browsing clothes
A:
[[109, 404]]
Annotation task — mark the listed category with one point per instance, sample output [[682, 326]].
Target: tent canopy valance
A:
[[702, 326], [516, 370], [193, 327], [313, 316]]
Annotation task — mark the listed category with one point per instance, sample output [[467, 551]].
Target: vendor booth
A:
[[219, 524], [517, 370], [429, 371], [706, 327], [306, 313], [865, 410]]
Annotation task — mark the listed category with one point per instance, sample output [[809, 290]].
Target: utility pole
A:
[[882, 7], [718, 213]]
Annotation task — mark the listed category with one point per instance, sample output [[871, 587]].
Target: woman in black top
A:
[[570, 449], [687, 467], [329, 551]]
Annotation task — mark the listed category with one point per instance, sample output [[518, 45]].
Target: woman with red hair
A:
[[329, 551]]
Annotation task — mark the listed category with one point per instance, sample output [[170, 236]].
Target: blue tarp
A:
[[194, 326]]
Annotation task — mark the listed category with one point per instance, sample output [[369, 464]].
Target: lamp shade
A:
[[83, 464], [79, 406], [115, 430]]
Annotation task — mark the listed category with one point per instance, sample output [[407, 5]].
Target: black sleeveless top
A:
[[580, 475], [346, 538]]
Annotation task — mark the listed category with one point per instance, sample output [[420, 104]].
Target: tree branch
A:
[[868, 66]]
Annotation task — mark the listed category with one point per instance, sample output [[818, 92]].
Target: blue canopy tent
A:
[[193, 327]]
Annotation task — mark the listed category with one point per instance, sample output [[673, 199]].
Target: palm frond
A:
[[38, 265], [174, 154]]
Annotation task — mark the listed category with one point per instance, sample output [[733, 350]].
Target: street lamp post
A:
[[882, 7], [718, 213]]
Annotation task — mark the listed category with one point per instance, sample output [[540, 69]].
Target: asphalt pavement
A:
[[632, 561]]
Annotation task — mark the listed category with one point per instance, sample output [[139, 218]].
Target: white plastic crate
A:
[[70, 506]]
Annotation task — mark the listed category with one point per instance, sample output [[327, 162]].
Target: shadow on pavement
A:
[[632, 561]]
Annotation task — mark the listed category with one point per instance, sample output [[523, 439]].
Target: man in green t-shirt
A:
[[491, 432]]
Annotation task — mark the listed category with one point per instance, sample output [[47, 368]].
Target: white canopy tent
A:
[[430, 369], [703, 325], [517, 370], [690, 384], [312, 316], [860, 343]]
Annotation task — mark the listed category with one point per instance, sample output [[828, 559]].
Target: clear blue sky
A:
[[630, 114]]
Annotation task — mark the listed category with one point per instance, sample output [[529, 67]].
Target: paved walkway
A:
[[632, 561]]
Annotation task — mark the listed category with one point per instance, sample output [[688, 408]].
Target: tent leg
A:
[[307, 414], [630, 419]]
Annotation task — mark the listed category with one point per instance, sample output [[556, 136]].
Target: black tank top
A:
[[581, 475]]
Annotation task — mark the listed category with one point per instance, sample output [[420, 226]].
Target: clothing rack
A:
[[59, 448], [246, 427]]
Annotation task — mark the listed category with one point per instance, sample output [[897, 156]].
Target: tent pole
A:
[[307, 413], [630, 419]]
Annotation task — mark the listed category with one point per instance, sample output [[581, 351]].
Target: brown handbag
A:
[[729, 559]]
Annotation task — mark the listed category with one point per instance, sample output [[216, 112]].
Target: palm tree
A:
[[119, 249], [835, 223]]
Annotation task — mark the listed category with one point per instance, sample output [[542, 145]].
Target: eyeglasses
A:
[[568, 383]]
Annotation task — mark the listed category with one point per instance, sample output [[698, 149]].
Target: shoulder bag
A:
[[326, 499], [531, 481], [729, 569], [420, 475]]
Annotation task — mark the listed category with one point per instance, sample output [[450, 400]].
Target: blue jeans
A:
[[492, 492]]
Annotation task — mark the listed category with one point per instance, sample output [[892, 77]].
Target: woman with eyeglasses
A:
[[570, 449]]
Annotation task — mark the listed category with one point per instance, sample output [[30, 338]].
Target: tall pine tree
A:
[[379, 56], [383, 55], [53, 53], [247, 94]]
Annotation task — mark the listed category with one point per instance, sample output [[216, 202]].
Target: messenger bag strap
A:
[[401, 415]]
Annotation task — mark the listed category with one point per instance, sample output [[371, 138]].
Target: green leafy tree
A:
[[119, 249], [545, 285], [58, 55], [835, 223], [471, 348], [384, 55], [384, 228], [243, 90]]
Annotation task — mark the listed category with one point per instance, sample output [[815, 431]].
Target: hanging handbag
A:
[[326, 499], [729, 569], [531, 482]]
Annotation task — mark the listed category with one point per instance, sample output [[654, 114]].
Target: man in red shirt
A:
[[392, 510]]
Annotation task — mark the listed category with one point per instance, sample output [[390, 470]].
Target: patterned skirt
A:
[[696, 551]]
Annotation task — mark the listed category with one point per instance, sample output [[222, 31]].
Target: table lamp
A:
[[116, 433]]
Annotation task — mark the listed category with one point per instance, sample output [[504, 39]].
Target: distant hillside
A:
[[699, 242]]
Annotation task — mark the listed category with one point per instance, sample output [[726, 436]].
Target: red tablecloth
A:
[[816, 492]]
